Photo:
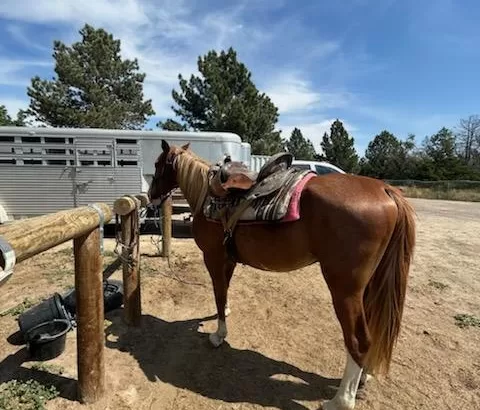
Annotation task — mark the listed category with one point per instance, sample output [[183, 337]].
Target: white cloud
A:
[[65, 11], [167, 36], [11, 71], [290, 93]]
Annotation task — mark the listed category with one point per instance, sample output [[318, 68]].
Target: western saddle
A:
[[233, 180], [234, 177]]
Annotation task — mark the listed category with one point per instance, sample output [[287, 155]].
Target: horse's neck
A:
[[193, 181]]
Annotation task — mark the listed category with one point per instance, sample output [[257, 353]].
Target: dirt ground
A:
[[284, 349]]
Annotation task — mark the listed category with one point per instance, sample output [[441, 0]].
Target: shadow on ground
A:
[[11, 368], [178, 354]]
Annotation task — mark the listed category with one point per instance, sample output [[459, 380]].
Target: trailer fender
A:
[[3, 215]]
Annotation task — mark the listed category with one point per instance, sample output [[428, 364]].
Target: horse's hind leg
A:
[[221, 270], [350, 312]]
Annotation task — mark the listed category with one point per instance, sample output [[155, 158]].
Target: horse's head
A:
[[165, 177]]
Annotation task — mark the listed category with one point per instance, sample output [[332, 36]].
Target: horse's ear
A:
[[186, 146], [165, 146]]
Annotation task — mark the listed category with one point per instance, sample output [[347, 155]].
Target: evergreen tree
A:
[[386, 157], [6, 120], [440, 151], [300, 147], [224, 98], [338, 148], [94, 87], [171, 125]]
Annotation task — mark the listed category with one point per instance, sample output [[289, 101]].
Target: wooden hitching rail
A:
[[84, 225]]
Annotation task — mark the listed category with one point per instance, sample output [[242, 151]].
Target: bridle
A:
[[165, 196]]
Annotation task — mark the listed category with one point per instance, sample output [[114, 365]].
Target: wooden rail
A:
[[32, 236], [128, 207]]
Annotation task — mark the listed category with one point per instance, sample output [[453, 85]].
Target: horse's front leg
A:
[[221, 270]]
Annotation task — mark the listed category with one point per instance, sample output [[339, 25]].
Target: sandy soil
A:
[[284, 347]]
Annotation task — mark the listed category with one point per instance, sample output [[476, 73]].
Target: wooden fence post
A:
[[90, 316], [128, 208], [166, 227]]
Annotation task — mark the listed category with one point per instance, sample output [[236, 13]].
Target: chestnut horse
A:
[[360, 230]]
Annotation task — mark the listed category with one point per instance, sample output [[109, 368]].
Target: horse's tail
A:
[[385, 294]]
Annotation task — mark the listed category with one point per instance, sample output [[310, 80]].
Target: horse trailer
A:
[[45, 170]]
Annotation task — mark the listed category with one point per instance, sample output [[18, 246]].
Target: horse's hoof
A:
[[335, 405], [215, 339]]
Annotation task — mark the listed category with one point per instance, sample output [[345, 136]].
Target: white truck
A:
[[44, 170]]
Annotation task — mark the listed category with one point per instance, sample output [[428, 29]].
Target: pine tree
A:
[[338, 148], [300, 147], [6, 120], [224, 98], [94, 86]]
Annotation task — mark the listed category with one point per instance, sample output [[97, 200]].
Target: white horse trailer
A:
[[44, 170]]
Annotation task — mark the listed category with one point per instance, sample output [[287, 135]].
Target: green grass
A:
[[464, 320], [48, 367], [28, 395], [17, 310]]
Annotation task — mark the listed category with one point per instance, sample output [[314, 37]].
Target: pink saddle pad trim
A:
[[293, 211]]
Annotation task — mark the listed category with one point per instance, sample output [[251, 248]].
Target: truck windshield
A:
[[323, 170]]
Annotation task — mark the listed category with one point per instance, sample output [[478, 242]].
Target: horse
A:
[[361, 232]]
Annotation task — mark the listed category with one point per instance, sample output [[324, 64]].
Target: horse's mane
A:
[[192, 178]]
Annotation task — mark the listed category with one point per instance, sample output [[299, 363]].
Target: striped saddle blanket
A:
[[278, 205]]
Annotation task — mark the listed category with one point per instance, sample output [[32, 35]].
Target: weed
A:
[[464, 320], [21, 307], [110, 254], [28, 395], [438, 285], [147, 269], [450, 194], [47, 367]]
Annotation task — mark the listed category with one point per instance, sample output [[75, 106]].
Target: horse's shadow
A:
[[178, 354]]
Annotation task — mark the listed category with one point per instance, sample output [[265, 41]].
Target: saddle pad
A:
[[281, 205]]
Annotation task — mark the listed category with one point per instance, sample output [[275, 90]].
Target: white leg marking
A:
[[218, 337], [365, 377], [227, 310], [345, 397]]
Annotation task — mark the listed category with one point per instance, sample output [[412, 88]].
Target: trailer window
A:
[[31, 139], [124, 163], [104, 163], [9, 161], [7, 139], [53, 140], [32, 161], [121, 141]]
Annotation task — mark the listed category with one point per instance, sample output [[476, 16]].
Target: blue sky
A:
[[408, 66]]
